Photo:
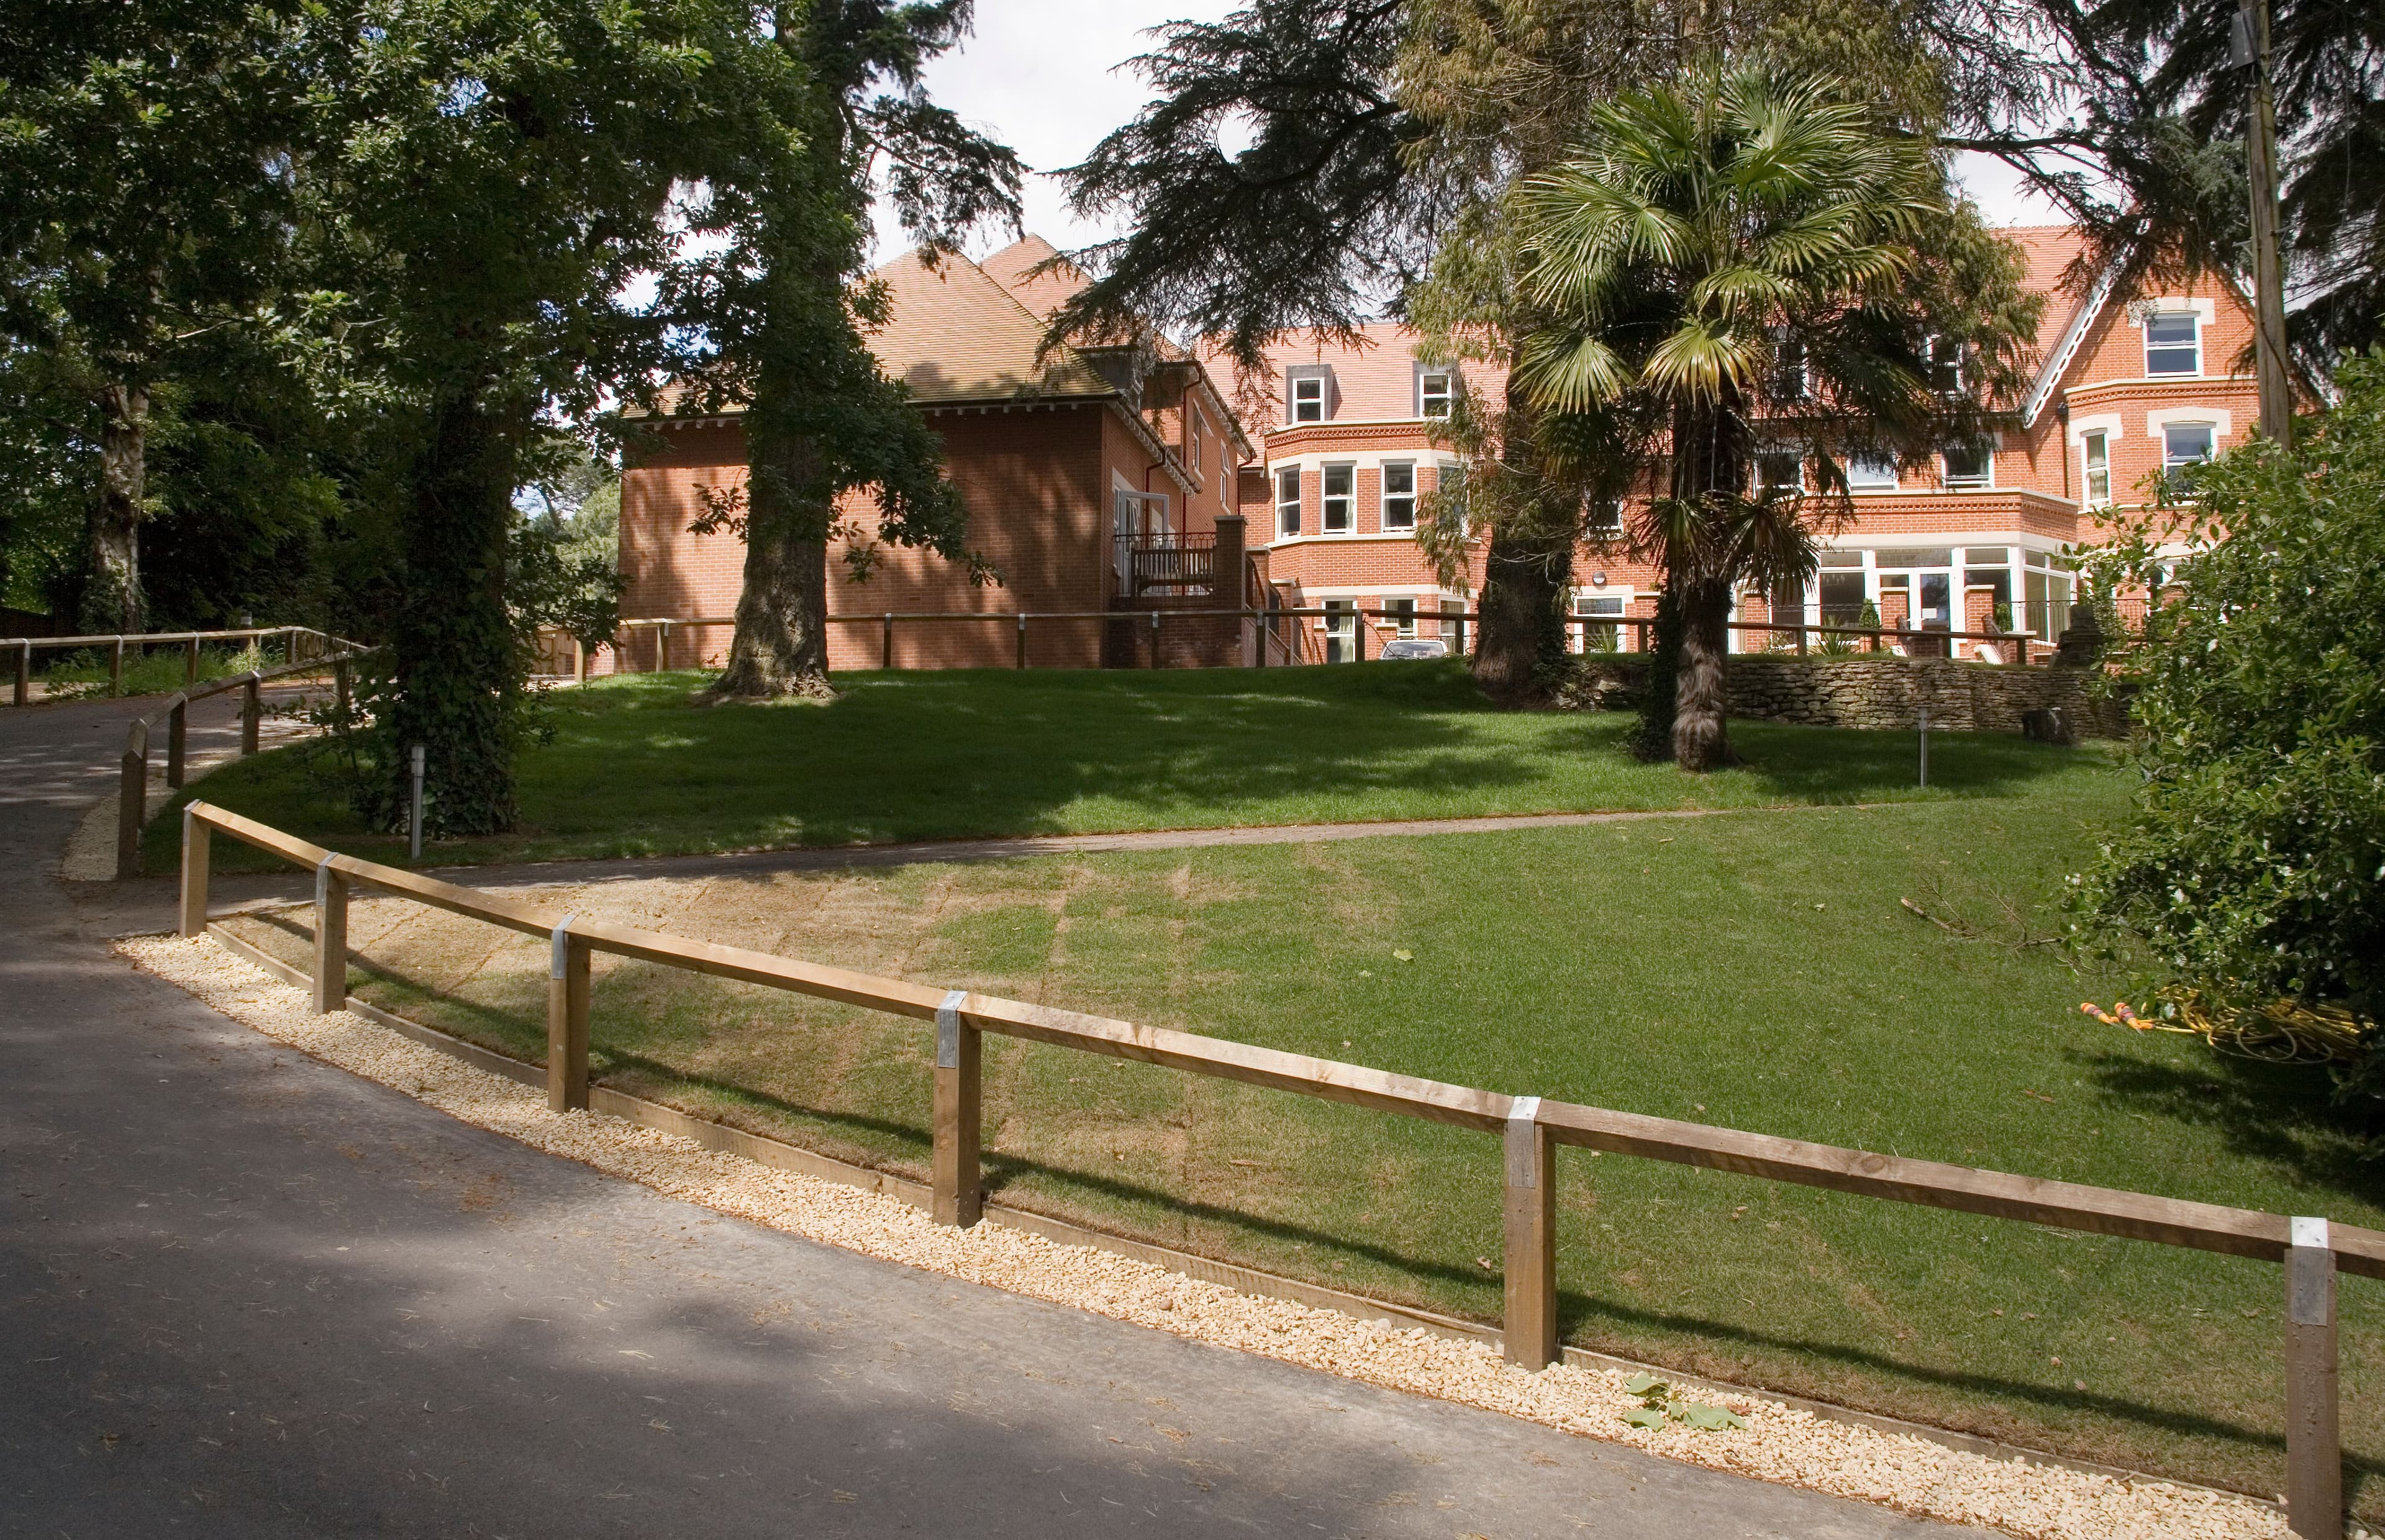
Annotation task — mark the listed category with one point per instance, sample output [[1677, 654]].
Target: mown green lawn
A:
[[1754, 970], [635, 767]]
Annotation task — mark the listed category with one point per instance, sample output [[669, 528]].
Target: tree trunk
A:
[[1524, 581], [453, 639], [781, 647], [1525, 575], [1701, 740], [111, 602]]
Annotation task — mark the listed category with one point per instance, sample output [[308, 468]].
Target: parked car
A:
[[1415, 647]]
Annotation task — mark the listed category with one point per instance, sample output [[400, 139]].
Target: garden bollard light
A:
[[414, 808], [1925, 745]]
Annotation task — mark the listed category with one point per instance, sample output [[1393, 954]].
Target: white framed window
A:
[[1341, 500], [1596, 638], [1399, 496], [1969, 466], [1287, 501], [1403, 612], [1308, 393], [1790, 379], [2096, 449], [1193, 428], [1871, 473], [1606, 517], [1450, 474], [1946, 364], [1436, 391], [2184, 446], [1781, 469], [2173, 342]]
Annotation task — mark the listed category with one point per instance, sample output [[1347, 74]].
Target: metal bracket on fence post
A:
[[198, 846], [567, 1020], [957, 1196], [2314, 1438], [330, 939], [1530, 1337]]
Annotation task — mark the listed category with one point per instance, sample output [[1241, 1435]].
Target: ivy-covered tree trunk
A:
[[111, 599], [781, 647], [453, 639], [1524, 579]]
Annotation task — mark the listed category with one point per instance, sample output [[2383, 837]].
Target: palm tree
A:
[[1736, 274]]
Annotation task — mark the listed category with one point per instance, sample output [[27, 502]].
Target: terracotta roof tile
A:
[[1041, 293], [954, 334]]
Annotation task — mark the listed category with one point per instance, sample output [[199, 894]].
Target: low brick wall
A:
[[1887, 693]]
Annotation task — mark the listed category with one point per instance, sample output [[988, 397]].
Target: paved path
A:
[[244, 1294]]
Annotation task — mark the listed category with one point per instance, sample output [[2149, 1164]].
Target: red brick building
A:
[[1095, 480], [1112, 482], [2127, 387]]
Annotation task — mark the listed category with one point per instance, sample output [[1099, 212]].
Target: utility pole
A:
[[2250, 51]]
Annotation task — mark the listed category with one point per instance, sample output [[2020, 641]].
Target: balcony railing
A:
[[1148, 561]]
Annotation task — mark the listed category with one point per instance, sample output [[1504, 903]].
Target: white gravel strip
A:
[[1779, 1444]]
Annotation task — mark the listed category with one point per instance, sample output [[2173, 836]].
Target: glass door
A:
[[1340, 630], [1934, 607]]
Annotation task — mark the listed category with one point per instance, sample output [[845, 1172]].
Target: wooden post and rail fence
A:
[[173, 716], [1531, 1128], [1579, 629], [136, 645]]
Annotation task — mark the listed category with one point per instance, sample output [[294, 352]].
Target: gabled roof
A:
[[2052, 253], [954, 334], [1042, 294]]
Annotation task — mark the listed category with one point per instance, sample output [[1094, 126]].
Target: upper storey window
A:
[[1946, 364], [1308, 394], [1287, 501], [2173, 343], [1436, 393], [1969, 464], [1871, 473]]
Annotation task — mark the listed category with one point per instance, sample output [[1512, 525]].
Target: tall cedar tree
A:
[[1740, 281], [2138, 133], [784, 314], [144, 203], [1388, 131], [498, 175]]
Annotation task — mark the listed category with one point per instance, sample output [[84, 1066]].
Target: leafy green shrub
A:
[[2255, 870]]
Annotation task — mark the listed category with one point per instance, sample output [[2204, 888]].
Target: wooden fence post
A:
[[886, 649], [177, 737], [662, 648], [330, 939], [25, 675], [340, 687], [115, 668], [567, 1020], [2313, 1440], [252, 708], [958, 1194], [579, 662], [1022, 639], [132, 801], [191, 662], [1530, 1339], [198, 846]]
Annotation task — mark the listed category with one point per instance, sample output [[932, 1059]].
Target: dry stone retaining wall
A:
[[1888, 692]]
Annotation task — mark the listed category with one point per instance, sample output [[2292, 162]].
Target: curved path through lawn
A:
[[245, 1294]]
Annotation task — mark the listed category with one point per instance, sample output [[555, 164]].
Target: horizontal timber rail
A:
[[1529, 1128], [1390, 624], [132, 771], [138, 643]]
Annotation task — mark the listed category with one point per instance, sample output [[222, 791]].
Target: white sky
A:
[[1046, 78]]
